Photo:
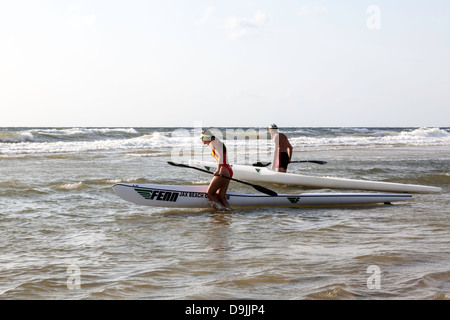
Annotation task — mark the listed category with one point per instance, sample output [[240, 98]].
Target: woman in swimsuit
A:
[[218, 187]]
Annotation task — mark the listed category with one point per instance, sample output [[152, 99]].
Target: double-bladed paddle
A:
[[259, 188], [265, 164]]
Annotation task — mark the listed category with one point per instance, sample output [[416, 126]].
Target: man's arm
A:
[[276, 142]]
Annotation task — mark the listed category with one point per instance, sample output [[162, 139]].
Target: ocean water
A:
[[64, 234]]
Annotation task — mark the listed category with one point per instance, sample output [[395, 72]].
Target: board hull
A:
[[195, 197], [263, 174]]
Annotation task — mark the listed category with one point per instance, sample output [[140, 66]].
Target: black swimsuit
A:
[[283, 160]]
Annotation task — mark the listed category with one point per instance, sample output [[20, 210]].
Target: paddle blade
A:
[[265, 190], [318, 161], [177, 164], [261, 164], [311, 161], [265, 164]]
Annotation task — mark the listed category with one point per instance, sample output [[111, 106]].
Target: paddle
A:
[[259, 188], [265, 164]]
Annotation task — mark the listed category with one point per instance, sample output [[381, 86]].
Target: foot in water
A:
[[218, 206]]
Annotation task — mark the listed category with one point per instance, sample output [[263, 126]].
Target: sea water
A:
[[64, 234]]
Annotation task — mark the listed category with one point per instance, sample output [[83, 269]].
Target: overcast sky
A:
[[225, 63]]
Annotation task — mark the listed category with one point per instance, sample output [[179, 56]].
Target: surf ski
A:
[[187, 196], [263, 174]]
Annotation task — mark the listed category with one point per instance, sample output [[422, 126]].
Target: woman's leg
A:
[[222, 191], [221, 195], [214, 186], [218, 188]]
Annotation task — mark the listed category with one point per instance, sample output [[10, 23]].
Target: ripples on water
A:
[[60, 221]]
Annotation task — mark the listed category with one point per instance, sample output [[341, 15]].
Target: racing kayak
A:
[[185, 196], [263, 174]]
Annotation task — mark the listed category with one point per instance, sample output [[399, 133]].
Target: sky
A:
[[150, 63]]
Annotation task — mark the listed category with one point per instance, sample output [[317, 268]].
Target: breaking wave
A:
[[20, 141]]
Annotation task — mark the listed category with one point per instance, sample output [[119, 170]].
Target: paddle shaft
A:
[[312, 161], [265, 164], [259, 188]]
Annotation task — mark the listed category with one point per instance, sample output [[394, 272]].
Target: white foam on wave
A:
[[155, 141], [426, 133], [415, 137], [82, 131], [71, 186], [38, 134], [15, 137], [69, 147], [26, 143]]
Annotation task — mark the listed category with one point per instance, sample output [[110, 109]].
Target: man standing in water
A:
[[282, 153]]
